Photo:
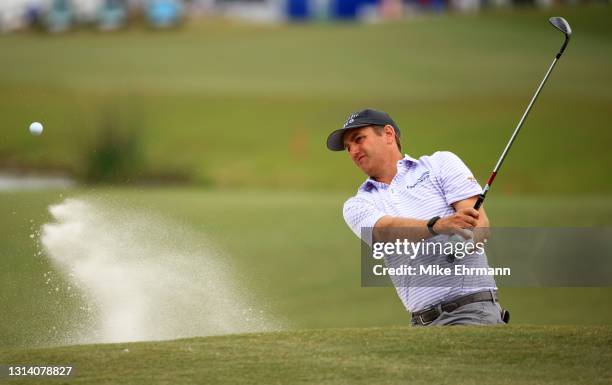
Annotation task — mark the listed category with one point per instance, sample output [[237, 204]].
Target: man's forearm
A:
[[389, 228]]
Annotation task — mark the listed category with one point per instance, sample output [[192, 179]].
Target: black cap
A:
[[363, 118]]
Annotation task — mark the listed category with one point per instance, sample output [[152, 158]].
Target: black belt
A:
[[427, 316]]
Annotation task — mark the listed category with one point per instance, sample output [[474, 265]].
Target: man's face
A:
[[366, 148]]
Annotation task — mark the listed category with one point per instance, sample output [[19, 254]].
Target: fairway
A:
[[477, 355]]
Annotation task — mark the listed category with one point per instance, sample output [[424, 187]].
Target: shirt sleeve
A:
[[456, 179], [361, 216]]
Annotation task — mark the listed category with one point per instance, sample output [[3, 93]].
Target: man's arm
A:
[[390, 227]]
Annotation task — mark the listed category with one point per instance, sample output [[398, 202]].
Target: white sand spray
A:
[[145, 278]]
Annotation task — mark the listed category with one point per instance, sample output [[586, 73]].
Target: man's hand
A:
[[464, 218]]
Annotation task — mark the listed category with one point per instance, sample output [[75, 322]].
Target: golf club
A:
[[562, 25]]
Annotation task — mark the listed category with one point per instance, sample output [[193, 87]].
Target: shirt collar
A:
[[402, 165]]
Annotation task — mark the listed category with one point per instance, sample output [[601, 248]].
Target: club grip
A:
[[478, 203]]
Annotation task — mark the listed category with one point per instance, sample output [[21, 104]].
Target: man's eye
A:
[[359, 139]]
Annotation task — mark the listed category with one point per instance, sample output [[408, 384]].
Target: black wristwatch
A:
[[431, 224]]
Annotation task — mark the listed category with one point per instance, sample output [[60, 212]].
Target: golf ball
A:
[[36, 128]]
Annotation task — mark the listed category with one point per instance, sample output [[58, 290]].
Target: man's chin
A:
[[366, 170], [363, 165]]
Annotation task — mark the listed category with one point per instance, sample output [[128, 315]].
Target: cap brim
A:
[[335, 140]]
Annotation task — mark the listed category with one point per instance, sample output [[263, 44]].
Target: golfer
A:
[[433, 196]]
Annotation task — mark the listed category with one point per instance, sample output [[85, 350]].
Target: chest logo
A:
[[421, 179]]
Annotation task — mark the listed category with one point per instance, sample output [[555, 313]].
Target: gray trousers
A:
[[477, 313]]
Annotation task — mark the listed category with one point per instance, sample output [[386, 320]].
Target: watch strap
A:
[[431, 224]]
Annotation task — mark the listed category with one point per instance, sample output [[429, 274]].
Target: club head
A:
[[561, 24]]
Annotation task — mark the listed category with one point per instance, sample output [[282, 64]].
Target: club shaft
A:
[[520, 123], [513, 137], [450, 257]]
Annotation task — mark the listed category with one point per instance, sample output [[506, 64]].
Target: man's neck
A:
[[389, 170]]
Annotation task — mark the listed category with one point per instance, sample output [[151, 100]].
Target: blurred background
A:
[[61, 15], [214, 113]]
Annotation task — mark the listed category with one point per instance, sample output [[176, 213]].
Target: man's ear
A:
[[389, 133]]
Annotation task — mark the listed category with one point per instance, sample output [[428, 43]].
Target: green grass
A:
[[397, 355], [250, 106], [303, 260]]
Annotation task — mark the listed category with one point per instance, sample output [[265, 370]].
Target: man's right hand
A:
[[465, 218]]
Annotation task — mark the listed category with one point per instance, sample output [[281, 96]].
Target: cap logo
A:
[[350, 119]]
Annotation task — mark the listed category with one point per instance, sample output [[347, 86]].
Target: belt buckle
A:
[[423, 322], [420, 316]]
